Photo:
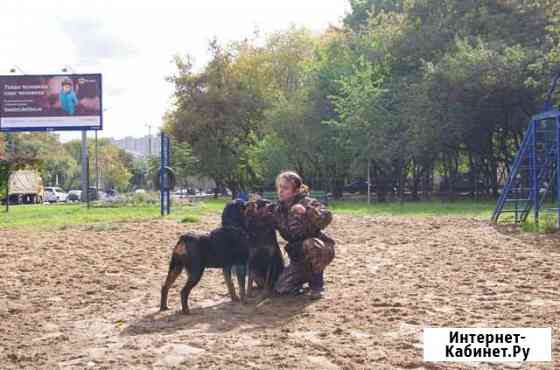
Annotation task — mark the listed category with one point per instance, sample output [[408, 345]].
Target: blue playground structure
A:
[[533, 185]]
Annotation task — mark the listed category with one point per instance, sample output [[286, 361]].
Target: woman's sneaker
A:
[[298, 290]]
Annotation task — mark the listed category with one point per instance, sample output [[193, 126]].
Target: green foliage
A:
[[190, 219], [131, 199], [139, 174], [117, 168], [3, 178], [182, 161], [218, 113], [421, 91], [550, 225]]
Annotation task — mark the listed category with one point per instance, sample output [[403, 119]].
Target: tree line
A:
[[59, 164], [430, 96]]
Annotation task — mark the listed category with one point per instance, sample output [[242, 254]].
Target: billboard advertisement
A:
[[51, 102]]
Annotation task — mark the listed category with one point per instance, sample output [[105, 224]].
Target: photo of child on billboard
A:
[[68, 98], [73, 96]]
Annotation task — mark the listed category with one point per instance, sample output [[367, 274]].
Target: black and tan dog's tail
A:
[[176, 265], [178, 255]]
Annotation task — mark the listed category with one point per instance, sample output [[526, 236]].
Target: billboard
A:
[[51, 102]]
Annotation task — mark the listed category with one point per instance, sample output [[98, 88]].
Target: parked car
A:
[[110, 195], [360, 186], [54, 194], [461, 184], [181, 193], [74, 196]]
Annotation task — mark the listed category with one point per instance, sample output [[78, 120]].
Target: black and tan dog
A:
[[225, 247], [265, 257]]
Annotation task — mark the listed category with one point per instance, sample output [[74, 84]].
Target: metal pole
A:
[[161, 194], [368, 182], [534, 172], [87, 184], [96, 165], [168, 164], [12, 155], [85, 168], [8, 189]]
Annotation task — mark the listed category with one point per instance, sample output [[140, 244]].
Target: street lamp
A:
[[15, 69], [66, 68]]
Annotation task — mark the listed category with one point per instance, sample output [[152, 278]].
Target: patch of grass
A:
[[190, 219], [62, 216], [464, 208], [547, 225], [529, 227]]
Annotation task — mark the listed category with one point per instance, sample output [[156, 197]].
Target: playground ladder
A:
[[535, 172]]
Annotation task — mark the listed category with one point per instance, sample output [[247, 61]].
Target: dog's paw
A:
[[185, 312]]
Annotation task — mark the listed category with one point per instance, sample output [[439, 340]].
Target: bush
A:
[[130, 200], [549, 225], [190, 219]]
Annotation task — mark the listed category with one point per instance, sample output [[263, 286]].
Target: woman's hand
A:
[[298, 209]]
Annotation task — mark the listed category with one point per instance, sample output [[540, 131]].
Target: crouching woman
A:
[[300, 220]]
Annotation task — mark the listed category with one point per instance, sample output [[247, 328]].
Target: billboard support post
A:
[[8, 189], [96, 166], [10, 157], [84, 177]]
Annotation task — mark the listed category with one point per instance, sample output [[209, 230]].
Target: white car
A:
[[54, 194], [182, 193]]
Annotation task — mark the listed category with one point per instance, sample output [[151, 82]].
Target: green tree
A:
[[115, 164], [219, 112]]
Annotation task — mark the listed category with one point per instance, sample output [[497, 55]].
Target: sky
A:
[[132, 44]]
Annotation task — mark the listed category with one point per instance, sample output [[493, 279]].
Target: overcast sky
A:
[[132, 42]]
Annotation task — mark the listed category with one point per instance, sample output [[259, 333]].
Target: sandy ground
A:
[[88, 298]]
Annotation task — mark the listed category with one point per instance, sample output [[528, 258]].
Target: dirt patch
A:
[[88, 298]]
